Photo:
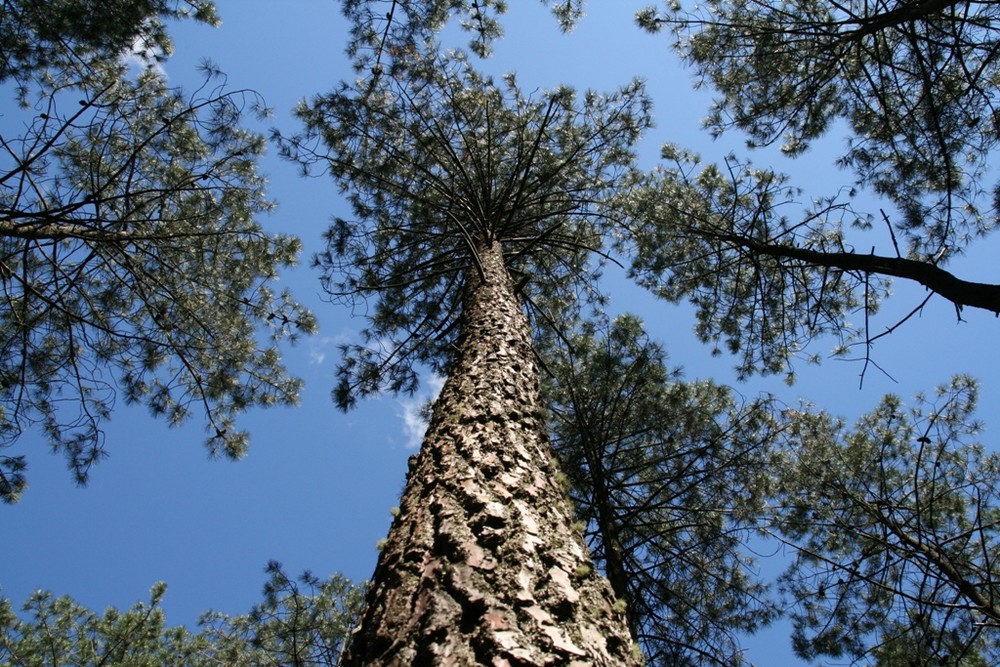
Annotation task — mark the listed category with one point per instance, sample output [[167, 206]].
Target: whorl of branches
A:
[[441, 164]]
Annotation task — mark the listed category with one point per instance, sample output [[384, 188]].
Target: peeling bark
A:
[[482, 566]]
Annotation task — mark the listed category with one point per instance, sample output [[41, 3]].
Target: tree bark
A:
[[483, 566]]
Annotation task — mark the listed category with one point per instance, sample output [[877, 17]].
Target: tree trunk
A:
[[482, 565], [607, 527]]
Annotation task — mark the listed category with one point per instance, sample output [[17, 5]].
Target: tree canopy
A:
[[670, 477], [436, 164], [894, 524], [382, 30], [914, 85], [767, 273], [915, 82], [132, 259], [303, 623], [68, 41]]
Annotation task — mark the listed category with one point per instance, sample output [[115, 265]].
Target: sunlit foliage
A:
[[132, 260], [895, 526], [304, 623]]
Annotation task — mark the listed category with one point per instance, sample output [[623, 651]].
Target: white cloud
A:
[[414, 424], [317, 351], [319, 347], [144, 56]]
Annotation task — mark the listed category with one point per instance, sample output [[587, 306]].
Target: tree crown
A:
[[441, 165], [131, 254]]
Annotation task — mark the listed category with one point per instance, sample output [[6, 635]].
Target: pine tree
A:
[[301, 623], [915, 85], [132, 260], [894, 525], [913, 89], [472, 203], [671, 478]]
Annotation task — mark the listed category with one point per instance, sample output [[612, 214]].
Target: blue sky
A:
[[316, 488]]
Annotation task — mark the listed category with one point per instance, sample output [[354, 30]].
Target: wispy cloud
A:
[[317, 351], [144, 56], [411, 411], [319, 347]]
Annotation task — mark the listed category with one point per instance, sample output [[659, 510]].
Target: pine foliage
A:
[[132, 260]]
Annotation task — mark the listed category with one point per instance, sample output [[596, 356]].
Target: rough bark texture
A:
[[482, 565]]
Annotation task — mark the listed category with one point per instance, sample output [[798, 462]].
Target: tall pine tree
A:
[[473, 204], [915, 86]]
